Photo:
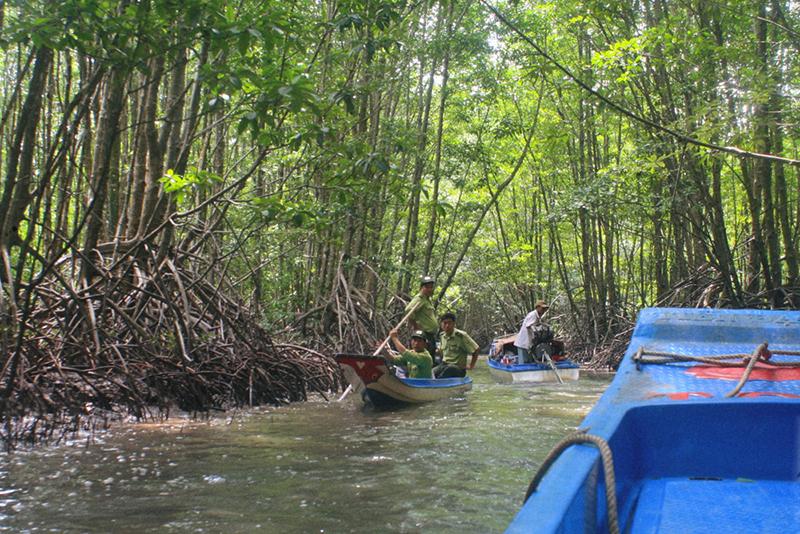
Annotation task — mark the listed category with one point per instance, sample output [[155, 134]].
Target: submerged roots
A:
[[140, 339]]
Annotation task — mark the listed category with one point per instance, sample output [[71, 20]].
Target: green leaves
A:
[[345, 96], [295, 96], [623, 59], [350, 20], [194, 180], [276, 210]]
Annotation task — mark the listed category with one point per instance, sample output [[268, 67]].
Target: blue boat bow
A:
[[690, 451]]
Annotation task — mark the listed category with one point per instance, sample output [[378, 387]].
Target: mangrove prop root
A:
[[142, 339]]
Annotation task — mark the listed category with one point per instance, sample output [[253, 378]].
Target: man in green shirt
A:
[[455, 345], [424, 315], [416, 360]]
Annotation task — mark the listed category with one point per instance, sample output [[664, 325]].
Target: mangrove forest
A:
[[202, 201]]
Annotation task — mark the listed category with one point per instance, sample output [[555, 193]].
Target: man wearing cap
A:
[[424, 315], [525, 336], [454, 345], [416, 360]]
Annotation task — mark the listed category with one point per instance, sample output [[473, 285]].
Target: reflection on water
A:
[[455, 466]]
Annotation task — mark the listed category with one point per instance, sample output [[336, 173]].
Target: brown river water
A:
[[460, 465]]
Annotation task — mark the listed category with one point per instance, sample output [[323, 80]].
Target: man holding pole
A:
[[527, 332], [416, 360], [422, 313]]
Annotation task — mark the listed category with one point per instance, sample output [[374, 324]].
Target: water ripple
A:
[[302, 468]]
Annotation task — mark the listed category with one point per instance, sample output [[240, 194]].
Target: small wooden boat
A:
[[512, 373], [533, 372], [698, 432], [375, 380]]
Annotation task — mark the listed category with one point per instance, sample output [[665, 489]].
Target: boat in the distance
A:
[[533, 372], [503, 367], [374, 379], [698, 432]]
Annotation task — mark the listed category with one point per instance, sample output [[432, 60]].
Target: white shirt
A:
[[530, 322]]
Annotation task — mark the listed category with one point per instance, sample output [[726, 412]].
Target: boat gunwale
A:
[[567, 476]]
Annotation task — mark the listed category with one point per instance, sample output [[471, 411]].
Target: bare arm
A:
[[396, 341]]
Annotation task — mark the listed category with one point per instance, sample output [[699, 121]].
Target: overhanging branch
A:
[[628, 113]]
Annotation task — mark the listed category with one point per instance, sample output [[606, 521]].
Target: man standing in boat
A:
[[527, 331], [416, 360], [424, 315], [454, 345]]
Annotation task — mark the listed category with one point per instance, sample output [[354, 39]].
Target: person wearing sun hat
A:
[[416, 360], [423, 316], [525, 335]]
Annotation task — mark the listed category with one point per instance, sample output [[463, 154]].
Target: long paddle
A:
[[380, 347], [552, 365]]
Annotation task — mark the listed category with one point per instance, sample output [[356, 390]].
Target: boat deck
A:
[[692, 452], [702, 506]]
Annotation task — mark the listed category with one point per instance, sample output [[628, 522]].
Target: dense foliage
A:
[[312, 159]]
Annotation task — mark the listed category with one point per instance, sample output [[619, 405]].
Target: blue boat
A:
[[533, 373], [504, 369], [699, 432], [374, 379]]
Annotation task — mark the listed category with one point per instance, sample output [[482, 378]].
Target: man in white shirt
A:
[[526, 331]]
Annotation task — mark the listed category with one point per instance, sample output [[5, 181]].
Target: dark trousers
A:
[[446, 370], [430, 340]]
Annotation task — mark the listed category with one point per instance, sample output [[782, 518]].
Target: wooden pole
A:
[[552, 365], [382, 345]]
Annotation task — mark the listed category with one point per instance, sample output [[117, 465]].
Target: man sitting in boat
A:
[[417, 360], [424, 315], [454, 346]]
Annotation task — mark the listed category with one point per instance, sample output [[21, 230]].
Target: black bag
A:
[[542, 334]]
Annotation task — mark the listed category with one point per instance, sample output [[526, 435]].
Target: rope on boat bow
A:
[[583, 437], [644, 356], [761, 353]]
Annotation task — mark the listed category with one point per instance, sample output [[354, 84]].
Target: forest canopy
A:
[[179, 177]]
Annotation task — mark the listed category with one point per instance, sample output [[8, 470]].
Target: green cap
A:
[[425, 280], [418, 334]]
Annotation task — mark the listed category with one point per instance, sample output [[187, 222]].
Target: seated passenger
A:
[[454, 347], [417, 360]]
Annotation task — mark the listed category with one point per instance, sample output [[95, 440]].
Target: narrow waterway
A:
[[460, 465]]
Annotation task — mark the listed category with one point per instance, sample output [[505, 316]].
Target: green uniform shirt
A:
[[418, 364], [456, 347], [425, 316]]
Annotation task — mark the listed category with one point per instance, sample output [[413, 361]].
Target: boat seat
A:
[[713, 506]]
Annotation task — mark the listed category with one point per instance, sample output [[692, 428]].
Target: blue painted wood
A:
[[519, 368], [440, 387], [686, 458]]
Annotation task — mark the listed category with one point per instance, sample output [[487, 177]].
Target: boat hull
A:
[[371, 377], [533, 373], [689, 452]]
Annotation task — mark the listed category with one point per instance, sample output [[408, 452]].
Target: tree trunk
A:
[[19, 175], [107, 136], [425, 95], [771, 261], [437, 164], [155, 156]]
